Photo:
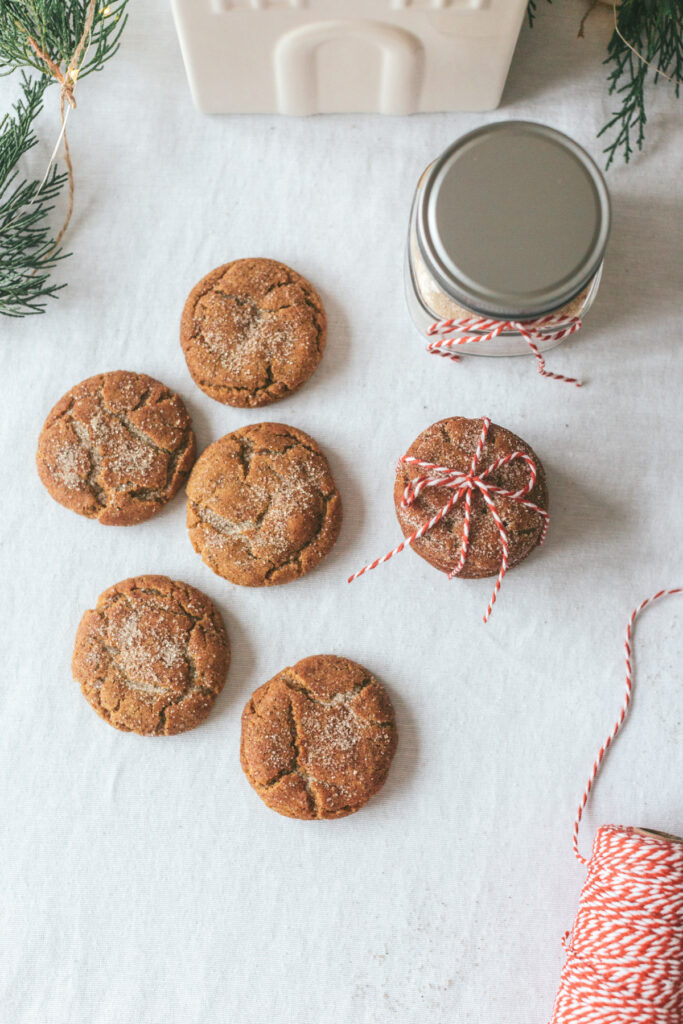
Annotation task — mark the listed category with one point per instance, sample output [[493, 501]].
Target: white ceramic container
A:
[[332, 56]]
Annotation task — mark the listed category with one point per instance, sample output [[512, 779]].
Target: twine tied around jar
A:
[[449, 334], [463, 485]]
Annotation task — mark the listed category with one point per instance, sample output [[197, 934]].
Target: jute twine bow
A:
[[66, 80], [463, 486], [449, 334]]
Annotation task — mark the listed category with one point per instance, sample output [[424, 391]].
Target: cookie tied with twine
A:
[[471, 499], [625, 950]]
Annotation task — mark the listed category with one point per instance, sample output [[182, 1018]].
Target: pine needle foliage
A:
[[41, 38]]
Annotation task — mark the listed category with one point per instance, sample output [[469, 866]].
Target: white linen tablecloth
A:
[[143, 882]]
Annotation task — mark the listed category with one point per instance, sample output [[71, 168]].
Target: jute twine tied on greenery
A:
[[615, 12], [66, 80]]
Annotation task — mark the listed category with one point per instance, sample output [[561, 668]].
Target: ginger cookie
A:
[[252, 331], [318, 739], [116, 448], [262, 506], [452, 443], [152, 656]]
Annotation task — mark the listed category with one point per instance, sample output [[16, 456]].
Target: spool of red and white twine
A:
[[462, 486], [450, 334], [625, 951]]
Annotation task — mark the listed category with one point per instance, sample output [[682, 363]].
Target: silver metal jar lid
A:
[[513, 220]]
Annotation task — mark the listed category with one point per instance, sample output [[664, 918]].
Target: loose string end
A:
[[628, 696]]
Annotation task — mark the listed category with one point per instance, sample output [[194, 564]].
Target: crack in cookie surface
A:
[[245, 344]]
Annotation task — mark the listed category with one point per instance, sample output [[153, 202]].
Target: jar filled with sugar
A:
[[507, 238]]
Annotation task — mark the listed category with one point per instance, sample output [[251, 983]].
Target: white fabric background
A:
[[142, 880]]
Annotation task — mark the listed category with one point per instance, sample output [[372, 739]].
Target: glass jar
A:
[[509, 224]]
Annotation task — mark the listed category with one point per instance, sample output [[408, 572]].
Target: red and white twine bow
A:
[[449, 335], [463, 485]]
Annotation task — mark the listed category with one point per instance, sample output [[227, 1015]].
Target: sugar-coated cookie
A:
[[152, 656], [252, 331], [116, 448], [319, 738], [262, 506]]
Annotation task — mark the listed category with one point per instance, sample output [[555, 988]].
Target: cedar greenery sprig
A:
[[56, 26], [27, 245], [60, 41], [647, 40], [646, 45]]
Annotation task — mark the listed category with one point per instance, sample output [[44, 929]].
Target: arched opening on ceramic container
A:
[[364, 52]]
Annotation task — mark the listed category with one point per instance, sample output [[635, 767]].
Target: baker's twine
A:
[[625, 951], [449, 335], [463, 485], [628, 648]]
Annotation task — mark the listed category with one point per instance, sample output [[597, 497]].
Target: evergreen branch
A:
[[27, 247], [55, 27], [647, 40], [64, 41]]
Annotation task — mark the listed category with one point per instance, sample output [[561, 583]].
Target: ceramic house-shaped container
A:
[[325, 56]]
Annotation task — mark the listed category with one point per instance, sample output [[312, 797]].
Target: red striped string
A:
[[463, 485], [628, 647], [625, 950], [548, 328]]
